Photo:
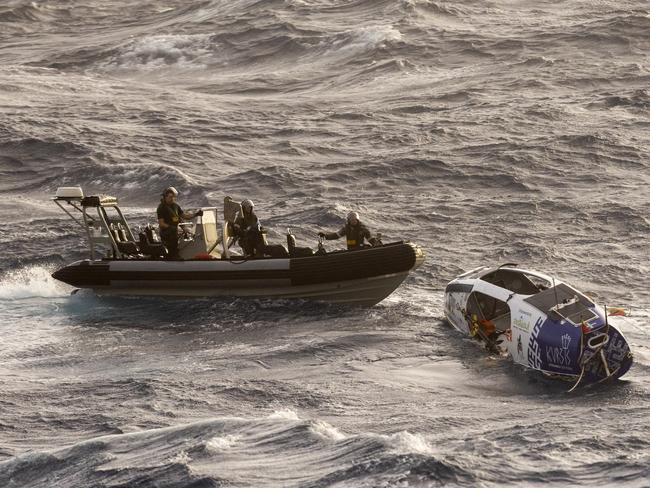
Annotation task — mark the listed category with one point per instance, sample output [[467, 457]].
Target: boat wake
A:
[[31, 282]]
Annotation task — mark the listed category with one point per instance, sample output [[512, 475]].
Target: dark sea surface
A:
[[486, 131]]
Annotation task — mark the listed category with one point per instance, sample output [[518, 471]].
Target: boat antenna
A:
[[557, 302]]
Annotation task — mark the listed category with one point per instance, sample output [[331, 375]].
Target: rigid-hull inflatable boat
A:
[[210, 269], [540, 322]]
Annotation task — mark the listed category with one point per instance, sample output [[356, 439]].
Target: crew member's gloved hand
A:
[[198, 213], [321, 235]]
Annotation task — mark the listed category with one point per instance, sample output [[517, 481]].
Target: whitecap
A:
[[284, 413], [221, 443], [406, 443], [327, 431], [163, 51]]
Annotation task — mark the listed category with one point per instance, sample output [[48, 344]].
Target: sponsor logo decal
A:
[[523, 321], [521, 324], [534, 353], [559, 356], [618, 349]]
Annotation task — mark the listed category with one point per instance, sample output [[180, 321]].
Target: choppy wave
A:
[[161, 51], [234, 450], [237, 451], [66, 163]]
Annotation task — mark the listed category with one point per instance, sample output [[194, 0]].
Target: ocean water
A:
[[486, 131]]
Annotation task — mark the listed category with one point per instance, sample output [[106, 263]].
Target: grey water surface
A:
[[486, 131]]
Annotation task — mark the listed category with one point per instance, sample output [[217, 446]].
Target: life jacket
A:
[[247, 221], [487, 326], [355, 235], [172, 216]]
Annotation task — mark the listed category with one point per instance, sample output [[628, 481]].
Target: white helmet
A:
[[353, 216], [247, 205], [170, 189]]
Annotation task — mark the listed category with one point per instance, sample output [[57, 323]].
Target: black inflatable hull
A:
[[364, 276]]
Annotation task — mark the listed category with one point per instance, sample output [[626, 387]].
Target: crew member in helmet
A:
[[249, 230], [354, 231], [169, 216]]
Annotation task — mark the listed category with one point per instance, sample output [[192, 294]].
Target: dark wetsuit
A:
[[354, 234], [172, 216], [250, 235]]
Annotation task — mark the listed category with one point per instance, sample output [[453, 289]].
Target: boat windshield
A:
[[516, 281]]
